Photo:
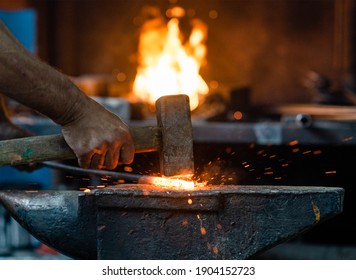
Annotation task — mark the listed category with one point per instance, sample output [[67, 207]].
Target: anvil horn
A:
[[53, 218]]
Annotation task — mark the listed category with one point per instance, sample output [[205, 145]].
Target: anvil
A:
[[135, 221]]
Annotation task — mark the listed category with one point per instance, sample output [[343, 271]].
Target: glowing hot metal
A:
[[167, 182], [175, 182]]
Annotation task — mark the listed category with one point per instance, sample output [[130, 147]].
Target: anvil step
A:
[[144, 222]]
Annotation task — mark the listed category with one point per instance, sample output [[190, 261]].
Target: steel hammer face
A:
[[174, 121]]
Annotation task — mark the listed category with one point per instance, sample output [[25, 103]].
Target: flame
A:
[[168, 67]]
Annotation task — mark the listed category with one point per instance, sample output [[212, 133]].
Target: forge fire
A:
[[166, 64]]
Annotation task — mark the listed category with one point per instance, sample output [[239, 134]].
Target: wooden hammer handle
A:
[[53, 147]]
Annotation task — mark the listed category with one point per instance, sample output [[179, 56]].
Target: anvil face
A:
[[146, 222]]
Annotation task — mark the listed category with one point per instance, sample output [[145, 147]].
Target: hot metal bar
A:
[[131, 177]]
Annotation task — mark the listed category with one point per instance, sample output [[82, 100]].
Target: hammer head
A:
[[174, 121]]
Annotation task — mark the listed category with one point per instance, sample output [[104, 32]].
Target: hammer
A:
[[172, 138]]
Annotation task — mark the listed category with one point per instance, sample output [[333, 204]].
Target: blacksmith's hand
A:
[[99, 138]]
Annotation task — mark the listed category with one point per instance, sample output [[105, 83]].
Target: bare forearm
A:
[[25, 78], [34, 83]]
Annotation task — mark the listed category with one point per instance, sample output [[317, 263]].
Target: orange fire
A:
[[166, 65]]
